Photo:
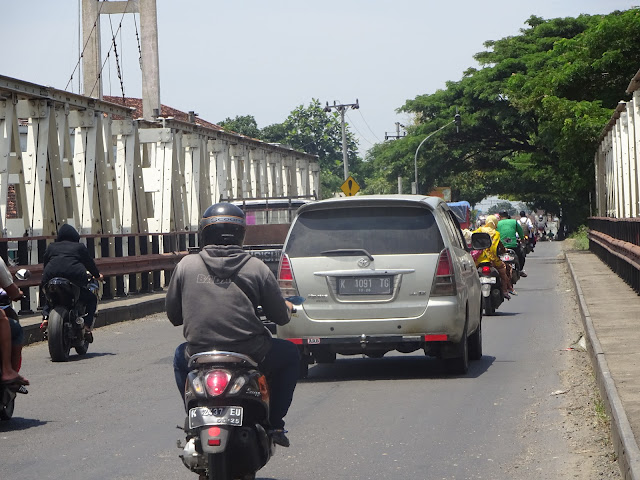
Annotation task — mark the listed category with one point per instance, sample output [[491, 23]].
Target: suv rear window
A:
[[379, 230]]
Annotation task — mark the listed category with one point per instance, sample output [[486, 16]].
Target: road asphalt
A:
[[610, 312]]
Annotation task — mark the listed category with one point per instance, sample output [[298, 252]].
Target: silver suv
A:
[[381, 273]]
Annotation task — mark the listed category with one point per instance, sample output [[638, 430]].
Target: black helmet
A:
[[222, 224]]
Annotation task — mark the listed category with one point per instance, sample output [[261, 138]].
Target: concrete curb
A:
[[624, 442], [110, 312]]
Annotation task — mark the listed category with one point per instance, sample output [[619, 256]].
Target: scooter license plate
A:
[[487, 279], [203, 416]]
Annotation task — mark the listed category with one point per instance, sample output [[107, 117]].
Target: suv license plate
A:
[[377, 285], [202, 416]]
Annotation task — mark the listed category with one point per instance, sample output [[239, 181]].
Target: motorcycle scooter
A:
[[490, 283], [227, 425], [66, 318], [8, 394], [511, 258]]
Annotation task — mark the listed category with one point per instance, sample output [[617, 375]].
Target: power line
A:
[[365, 122], [359, 132]]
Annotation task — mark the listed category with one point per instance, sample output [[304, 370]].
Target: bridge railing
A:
[[131, 263], [145, 271], [616, 241]]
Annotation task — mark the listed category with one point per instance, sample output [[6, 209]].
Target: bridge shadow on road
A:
[[407, 367]]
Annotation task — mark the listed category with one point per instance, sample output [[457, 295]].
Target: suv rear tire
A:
[[475, 343], [459, 365]]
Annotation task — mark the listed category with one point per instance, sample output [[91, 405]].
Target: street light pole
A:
[[456, 120]]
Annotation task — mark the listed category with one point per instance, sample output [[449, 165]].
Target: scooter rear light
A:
[[214, 442], [486, 270], [216, 381], [237, 385]]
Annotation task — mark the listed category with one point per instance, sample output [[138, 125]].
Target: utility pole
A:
[[92, 59], [397, 135], [342, 109]]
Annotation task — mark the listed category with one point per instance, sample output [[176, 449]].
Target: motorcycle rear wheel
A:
[[59, 343], [218, 468], [7, 411], [489, 309]]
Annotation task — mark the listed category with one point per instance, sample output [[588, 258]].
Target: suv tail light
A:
[[285, 277], [216, 381], [444, 282]]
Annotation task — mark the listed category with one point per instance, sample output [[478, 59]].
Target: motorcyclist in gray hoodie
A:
[[215, 294]]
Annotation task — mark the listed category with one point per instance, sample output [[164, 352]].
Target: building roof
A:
[[166, 111]]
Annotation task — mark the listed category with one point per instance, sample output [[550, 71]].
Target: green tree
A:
[[312, 130], [532, 115], [242, 124]]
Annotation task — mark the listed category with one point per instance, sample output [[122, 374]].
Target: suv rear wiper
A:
[[347, 251]]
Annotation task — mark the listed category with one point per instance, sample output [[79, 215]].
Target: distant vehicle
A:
[[268, 221], [271, 210], [381, 273], [462, 211]]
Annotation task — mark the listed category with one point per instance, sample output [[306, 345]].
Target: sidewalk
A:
[[610, 312]]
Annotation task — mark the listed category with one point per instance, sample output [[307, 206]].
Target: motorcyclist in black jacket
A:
[[70, 259], [215, 295]]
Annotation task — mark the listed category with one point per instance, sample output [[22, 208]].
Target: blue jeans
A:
[[280, 365]]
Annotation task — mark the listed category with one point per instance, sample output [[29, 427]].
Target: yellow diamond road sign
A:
[[350, 187]]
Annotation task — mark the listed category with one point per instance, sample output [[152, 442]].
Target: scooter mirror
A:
[[23, 274]]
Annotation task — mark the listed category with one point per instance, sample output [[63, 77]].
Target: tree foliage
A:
[[532, 114], [242, 124], [310, 129]]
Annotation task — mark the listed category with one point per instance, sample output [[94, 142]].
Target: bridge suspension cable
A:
[[95, 24], [99, 76]]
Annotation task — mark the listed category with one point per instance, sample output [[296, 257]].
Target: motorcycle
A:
[[490, 283], [511, 259], [227, 424], [530, 244], [66, 318], [8, 394]]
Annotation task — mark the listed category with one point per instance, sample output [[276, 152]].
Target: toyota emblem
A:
[[363, 262]]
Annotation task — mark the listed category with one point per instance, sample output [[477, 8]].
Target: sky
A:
[[264, 58]]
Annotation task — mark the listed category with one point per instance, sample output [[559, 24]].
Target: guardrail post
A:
[[144, 277], [155, 248], [120, 278], [168, 245], [107, 292], [23, 259], [42, 248], [133, 277]]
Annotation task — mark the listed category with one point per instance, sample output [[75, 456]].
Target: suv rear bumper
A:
[[433, 344]]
